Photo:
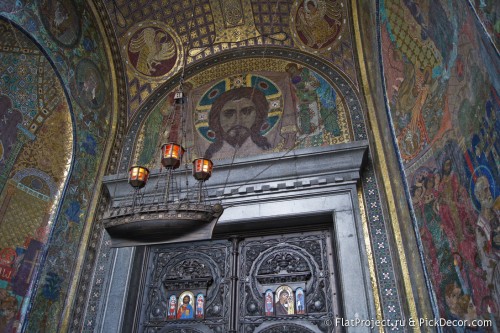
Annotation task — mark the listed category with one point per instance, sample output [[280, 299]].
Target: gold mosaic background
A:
[[210, 27]]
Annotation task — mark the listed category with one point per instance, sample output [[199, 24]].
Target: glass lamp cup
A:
[[171, 155], [202, 169], [138, 176]]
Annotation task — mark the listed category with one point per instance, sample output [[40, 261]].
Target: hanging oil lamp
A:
[[202, 169], [171, 155], [178, 217], [138, 176]]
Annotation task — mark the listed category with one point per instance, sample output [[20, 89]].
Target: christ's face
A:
[[236, 119], [186, 300]]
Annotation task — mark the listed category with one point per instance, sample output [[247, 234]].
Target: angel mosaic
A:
[[268, 303], [200, 306], [172, 307]]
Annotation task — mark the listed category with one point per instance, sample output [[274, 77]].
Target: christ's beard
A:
[[237, 135]]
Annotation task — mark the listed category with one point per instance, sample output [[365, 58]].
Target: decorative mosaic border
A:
[[387, 284], [84, 302]]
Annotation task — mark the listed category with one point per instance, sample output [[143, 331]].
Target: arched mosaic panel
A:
[[34, 120], [79, 93], [292, 107]]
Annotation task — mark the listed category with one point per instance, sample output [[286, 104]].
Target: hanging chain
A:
[[184, 100]]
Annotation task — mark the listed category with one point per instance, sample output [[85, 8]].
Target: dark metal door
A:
[[272, 284], [298, 265]]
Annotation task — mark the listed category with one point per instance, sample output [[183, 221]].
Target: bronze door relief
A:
[[272, 284], [297, 271]]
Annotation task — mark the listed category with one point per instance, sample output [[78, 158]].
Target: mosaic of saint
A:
[[317, 24], [316, 103], [445, 106], [153, 49], [62, 21], [88, 87], [300, 301], [172, 307], [284, 301], [268, 303], [200, 306], [185, 309]]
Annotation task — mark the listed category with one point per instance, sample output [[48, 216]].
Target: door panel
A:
[[301, 264], [197, 267], [284, 264]]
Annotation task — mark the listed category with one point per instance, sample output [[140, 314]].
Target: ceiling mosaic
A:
[[157, 37]]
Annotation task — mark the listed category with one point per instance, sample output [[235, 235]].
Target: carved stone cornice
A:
[[336, 164], [152, 222]]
